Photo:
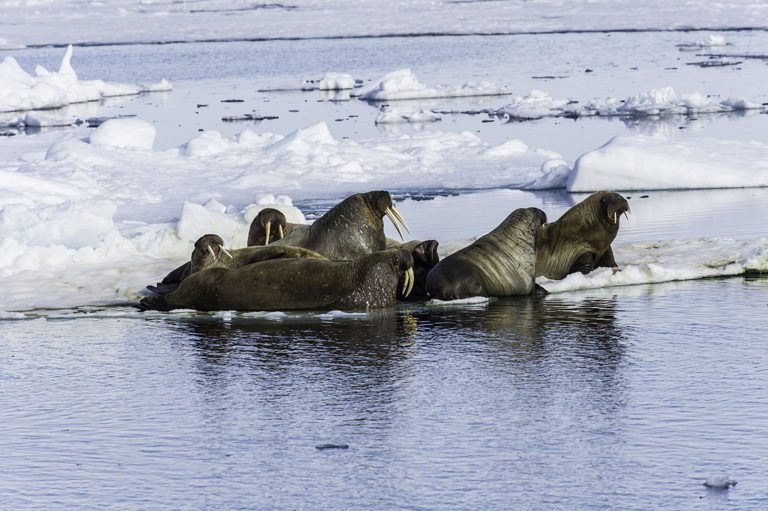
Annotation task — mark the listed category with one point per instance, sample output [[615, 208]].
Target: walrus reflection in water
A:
[[500, 263], [580, 240], [286, 283]]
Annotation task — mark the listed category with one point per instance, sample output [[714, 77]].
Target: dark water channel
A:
[[627, 402]]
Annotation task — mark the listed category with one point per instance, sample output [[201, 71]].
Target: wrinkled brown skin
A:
[[500, 264], [425, 258], [349, 230], [580, 240], [202, 259], [257, 233], [291, 284]]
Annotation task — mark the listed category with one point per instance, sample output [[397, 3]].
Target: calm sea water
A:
[[573, 401], [628, 402]]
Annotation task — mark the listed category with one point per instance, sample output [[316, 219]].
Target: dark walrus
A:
[[500, 263], [580, 240], [286, 283]]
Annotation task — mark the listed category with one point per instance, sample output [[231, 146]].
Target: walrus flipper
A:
[[584, 263], [607, 260], [163, 288]]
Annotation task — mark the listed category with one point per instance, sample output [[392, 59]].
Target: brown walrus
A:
[[500, 263], [580, 240], [425, 258], [209, 252], [270, 225], [352, 228], [286, 283]]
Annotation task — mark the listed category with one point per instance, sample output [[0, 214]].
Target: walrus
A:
[[209, 252], [270, 221], [580, 240], [425, 258], [500, 263], [270, 225], [285, 283], [352, 228]]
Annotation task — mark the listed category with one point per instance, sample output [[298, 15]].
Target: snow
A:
[[94, 219], [22, 91], [403, 85]]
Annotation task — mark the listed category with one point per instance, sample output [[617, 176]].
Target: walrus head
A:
[[381, 204], [208, 250], [266, 227], [613, 206]]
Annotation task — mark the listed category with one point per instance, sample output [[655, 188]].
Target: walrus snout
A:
[[614, 205]]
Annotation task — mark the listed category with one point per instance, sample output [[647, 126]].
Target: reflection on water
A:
[[626, 401]]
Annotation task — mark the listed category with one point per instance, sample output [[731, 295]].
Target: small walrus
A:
[[580, 240], [500, 263], [285, 283], [352, 228]]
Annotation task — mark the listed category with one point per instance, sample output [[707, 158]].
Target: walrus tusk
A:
[[280, 230], [213, 254], [626, 215], [266, 239], [225, 251], [395, 215], [614, 217], [400, 217], [408, 282]]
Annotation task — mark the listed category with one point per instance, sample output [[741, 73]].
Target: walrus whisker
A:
[[391, 216], [213, 254], [280, 230], [400, 217], [225, 251], [408, 282], [266, 238]]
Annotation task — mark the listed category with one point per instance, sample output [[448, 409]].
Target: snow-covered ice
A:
[[22, 91]]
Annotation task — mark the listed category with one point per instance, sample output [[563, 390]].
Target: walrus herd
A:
[[344, 261]]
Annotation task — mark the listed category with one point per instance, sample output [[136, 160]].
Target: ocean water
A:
[[628, 398], [565, 402]]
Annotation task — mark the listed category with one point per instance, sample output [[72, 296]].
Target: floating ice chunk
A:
[[402, 84], [40, 120], [336, 81], [21, 91], [396, 116], [719, 481], [535, 105], [124, 133]]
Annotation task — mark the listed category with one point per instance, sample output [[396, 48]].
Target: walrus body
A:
[[500, 263], [291, 284], [580, 240], [351, 229], [209, 253]]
